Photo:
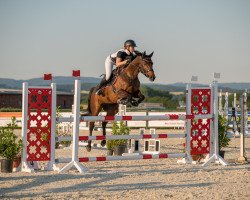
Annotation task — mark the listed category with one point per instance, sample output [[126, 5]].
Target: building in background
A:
[[11, 98]]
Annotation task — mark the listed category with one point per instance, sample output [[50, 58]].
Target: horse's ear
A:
[[144, 54], [150, 55]]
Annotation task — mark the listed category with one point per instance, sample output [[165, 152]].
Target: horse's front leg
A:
[[123, 97], [139, 97]]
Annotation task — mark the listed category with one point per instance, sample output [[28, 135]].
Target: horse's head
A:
[[146, 65]]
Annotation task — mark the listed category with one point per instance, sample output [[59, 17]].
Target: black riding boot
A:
[[102, 83]]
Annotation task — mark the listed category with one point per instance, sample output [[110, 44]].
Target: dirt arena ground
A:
[[138, 179]]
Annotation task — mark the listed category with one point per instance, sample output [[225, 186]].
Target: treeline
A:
[[168, 100], [70, 88]]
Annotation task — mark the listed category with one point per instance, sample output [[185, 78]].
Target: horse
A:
[[123, 90]]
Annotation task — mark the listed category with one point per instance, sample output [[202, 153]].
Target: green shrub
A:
[[10, 147], [9, 109], [13, 125], [222, 128], [118, 129]]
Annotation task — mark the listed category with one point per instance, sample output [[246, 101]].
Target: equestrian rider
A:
[[119, 58]]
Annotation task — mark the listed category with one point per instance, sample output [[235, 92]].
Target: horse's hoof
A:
[[135, 103], [123, 101], [103, 143], [88, 148]]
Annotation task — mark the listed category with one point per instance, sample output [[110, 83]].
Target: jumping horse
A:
[[123, 90]]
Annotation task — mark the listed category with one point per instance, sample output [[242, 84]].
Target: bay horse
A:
[[123, 90]]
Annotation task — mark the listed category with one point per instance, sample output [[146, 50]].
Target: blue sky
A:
[[194, 37]]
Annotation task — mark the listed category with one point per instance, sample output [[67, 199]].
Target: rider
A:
[[119, 58]]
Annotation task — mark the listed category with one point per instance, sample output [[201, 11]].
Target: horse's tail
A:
[[89, 107]]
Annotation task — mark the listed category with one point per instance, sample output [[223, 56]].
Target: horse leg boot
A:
[[124, 101], [124, 97], [138, 95], [104, 124], [101, 85]]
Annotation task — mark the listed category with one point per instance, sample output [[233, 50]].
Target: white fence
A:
[[66, 126]]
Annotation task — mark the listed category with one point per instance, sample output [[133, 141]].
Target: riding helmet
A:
[[129, 43]]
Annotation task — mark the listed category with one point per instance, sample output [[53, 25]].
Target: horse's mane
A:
[[127, 64]]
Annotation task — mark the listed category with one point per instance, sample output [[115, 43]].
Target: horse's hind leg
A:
[[104, 124], [91, 128], [111, 111], [95, 109]]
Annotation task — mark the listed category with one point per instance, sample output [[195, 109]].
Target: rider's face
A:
[[131, 49]]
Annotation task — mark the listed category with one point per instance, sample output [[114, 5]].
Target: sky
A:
[[194, 37]]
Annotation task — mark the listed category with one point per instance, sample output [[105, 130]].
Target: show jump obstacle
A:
[[39, 128]]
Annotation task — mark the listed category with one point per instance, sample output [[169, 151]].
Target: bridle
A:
[[141, 67], [131, 80]]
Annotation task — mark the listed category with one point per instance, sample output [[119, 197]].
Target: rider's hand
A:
[[129, 60]]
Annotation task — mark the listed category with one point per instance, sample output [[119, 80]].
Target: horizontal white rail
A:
[[135, 118], [39, 87], [125, 137], [132, 157]]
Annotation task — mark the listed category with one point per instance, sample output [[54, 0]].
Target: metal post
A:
[[244, 115], [75, 160]]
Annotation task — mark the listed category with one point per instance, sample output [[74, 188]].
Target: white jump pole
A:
[[215, 157], [135, 118], [235, 119], [226, 106], [220, 103], [234, 102], [75, 160], [126, 157], [25, 167], [188, 158], [51, 164]]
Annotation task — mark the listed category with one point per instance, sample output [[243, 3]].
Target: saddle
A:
[[114, 75]]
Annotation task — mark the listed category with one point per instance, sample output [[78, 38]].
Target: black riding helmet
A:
[[129, 43]]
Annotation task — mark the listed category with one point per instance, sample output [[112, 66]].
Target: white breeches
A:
[[108, 67]]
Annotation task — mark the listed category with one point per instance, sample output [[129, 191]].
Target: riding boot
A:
[[102, 83]]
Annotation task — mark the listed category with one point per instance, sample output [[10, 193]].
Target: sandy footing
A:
[[139, 179]]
